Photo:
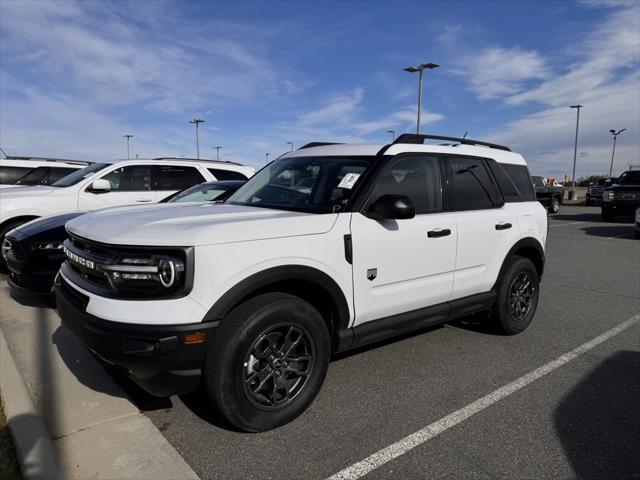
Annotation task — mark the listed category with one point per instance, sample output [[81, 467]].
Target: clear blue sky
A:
[[76, 76]]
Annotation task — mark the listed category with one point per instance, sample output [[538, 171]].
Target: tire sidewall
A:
[[507, 323], [224, 368]]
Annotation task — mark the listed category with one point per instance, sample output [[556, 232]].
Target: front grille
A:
[[18, 251]]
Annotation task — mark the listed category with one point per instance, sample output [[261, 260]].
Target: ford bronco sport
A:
[[327, 248]]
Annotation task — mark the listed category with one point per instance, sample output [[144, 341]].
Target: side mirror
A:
[[100, 186], [392, 207]]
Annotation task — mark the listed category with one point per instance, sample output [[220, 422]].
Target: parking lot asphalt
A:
[[581, 420]]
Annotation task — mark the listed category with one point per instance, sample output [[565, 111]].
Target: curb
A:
[[35, 452]]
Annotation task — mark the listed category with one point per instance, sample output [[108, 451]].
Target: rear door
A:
[[130, 185], [487, 226], [168, 179], [404, 265]]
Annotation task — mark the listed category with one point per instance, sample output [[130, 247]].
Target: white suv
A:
[[23, 171], [327, 248], [109, 184]]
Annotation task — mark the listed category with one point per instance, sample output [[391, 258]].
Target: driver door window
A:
[[129, 185]]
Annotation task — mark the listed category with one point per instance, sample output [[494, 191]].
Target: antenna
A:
[[465, 135]]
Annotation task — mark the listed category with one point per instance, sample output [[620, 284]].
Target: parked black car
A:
[[549, 196], [33, 251], [623, 197], [595, 191]]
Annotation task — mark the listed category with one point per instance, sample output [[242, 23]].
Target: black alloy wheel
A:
[[277, 366], [521, 296]]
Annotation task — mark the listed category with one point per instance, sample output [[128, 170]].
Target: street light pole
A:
[[290, 143], [128, 137], [572, 193], [196, 122], [420, 69], [615, 137], [217, 152], [393, 135]]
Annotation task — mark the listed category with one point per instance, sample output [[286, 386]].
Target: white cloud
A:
[[496, 72], [401, 118], [340, 108]]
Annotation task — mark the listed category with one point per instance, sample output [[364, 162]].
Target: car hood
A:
[[195, 224], [28, 191], [45, 229]]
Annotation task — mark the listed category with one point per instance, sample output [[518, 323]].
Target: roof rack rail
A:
[[48, 159], [419, 139], [198, 160], [318, 144]]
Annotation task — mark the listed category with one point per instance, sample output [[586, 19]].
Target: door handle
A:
[[503, 226], [142, 200], [438, 232]]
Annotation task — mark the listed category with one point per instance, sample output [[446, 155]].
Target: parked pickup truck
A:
[[548, 195], [623, 197]]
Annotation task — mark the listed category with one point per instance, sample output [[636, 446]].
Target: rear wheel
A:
[[268, 362], [517, 296]]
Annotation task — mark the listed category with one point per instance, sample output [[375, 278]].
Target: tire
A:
[[4, 229], [607, 216], [519, 271], [588, 202], [554, 206], [241, 352]]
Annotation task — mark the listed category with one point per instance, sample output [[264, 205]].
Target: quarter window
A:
[[34, 177], [176, 177], [220, 174], [133, 178], [519, 175], [418, 178], [472, 185]]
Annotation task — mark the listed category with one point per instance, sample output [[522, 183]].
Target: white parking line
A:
[[564, 224], [409, 442]]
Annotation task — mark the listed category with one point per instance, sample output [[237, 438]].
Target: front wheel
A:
[[554, 207], [517, 296], [268, 362], [607, 216]]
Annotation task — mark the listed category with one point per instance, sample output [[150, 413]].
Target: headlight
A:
[[148, 275], [6, 246], [46, 246], [607, 196]]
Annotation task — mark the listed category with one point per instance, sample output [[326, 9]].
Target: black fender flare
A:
[[529, 243], [285, 273]]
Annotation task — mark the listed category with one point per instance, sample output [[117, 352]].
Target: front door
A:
[[404, 265], [130, 185]]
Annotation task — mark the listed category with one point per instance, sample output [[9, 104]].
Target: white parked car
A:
[[637, 223], [327, 248], [109, 184], [24, 171]]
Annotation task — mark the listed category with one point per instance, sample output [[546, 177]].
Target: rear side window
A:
[[220, 174], [509, 190], [471, 183], [175, 177], [10, 175], [57, 173], [34, 177], [519, 175]]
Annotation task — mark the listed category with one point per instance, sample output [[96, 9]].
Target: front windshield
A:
[[79, 175], [305, 184]]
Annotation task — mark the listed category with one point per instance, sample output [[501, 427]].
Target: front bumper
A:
[[155, 357], [620, 208]]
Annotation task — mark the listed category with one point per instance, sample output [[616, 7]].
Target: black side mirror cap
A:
[[392, 207]]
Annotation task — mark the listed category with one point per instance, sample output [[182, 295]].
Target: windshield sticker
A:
[[349, 180]]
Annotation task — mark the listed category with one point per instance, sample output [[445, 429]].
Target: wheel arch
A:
[[21, 218], [308, 283], [527, 247]]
